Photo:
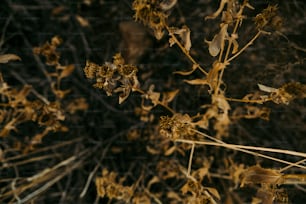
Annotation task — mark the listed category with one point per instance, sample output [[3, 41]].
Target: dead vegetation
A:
[[188, 113]]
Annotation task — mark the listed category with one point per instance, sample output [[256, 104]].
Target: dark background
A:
[[273, 60]]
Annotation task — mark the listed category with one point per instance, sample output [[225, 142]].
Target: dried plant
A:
[[179, 114], [217, 116]]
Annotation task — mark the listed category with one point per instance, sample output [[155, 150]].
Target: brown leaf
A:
[[184, 34], [259, 175], [217, 13], [154, 180], [170, 151], [58, 10], [185, 73], [174, 196], [213, 192], [152, 150], [169, 96], [235, 43], [8, 57], [78, 104], [265, 196], [153, 96], [197, 82], [8, 128], [67, 71], [266, 88], [82, 21]]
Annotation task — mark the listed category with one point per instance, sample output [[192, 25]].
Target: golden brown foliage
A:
[[216, 116]]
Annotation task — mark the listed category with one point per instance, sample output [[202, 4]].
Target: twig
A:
[[41, 97], [246, 46], [184, 50], [190, 160], [89, 180]]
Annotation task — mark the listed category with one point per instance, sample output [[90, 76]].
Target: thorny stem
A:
[[184, 50]]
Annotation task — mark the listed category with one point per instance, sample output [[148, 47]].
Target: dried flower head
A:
[[268, 17], [49, 51], [289, 92], [107, 186], [109, 75], [150, 13], [178, 126]]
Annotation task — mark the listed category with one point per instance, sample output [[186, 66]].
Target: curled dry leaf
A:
[[8, 57], [152, 151], [233, 39], [169, 96], [218, 12], [211, 79], [186, 73], [153, 96], [217, 42], [184, 34], [154, 180]]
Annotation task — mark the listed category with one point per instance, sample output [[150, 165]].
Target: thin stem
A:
[[190, 160], [184, 50], [244, 149], [229, 47], [260, 101], [158, 103], [167, 107], [289, 166], [246, 46]]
